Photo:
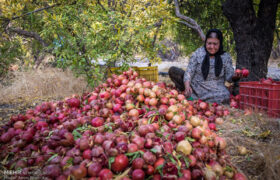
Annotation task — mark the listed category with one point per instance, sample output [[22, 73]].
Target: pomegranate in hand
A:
[[245, 72]]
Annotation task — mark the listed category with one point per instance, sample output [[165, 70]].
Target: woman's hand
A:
[[188, 89], [236, 77]]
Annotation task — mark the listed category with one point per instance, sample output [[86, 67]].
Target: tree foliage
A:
[[81, 33]]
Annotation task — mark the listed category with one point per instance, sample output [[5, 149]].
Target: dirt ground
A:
[[259, 134]]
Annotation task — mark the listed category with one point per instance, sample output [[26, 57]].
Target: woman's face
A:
[[212, 45]]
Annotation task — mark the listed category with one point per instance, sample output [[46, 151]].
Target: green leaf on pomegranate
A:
[[187, 161], [158, 134], [166, 137], [108, 127], [169, 156], [131, 154], [179, 156], [52, 157], [51, 153], [160, 119], [111, 160], [135, 155], [179, 171], [24, 158], [50, 134], [228, 168], [76, 134], [70, 161], [13, 165], [160, 169], [190, 139], [153, 150], [18, 169], [151, 120]]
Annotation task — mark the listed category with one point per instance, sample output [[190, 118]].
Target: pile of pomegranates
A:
[[268, 80], [127, 128]]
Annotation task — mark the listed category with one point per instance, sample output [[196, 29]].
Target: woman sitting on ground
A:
[[208, 69]]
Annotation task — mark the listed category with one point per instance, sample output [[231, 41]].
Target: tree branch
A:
[[189, 21], [157, 30], [187, 24], [40, 9], [28, 34], [98, 2], [7, 20], [37, 10]]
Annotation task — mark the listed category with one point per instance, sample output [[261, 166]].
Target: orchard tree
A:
[[81, 33], [253, 30]]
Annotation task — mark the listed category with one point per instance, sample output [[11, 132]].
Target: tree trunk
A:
[[253, 33]]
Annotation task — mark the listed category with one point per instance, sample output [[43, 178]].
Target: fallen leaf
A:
[[265, 134], [125, 173]]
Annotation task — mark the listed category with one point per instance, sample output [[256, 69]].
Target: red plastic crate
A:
[[261, 97]]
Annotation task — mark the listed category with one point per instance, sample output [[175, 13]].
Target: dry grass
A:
[[259, 134], [42, 83]]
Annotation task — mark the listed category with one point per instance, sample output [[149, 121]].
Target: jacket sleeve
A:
[[189, 73], [228, 68]]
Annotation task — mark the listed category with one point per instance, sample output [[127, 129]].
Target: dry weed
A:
[[42, 83], [259, 134]]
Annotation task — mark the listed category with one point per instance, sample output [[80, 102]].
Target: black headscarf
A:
[[218, 60]]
